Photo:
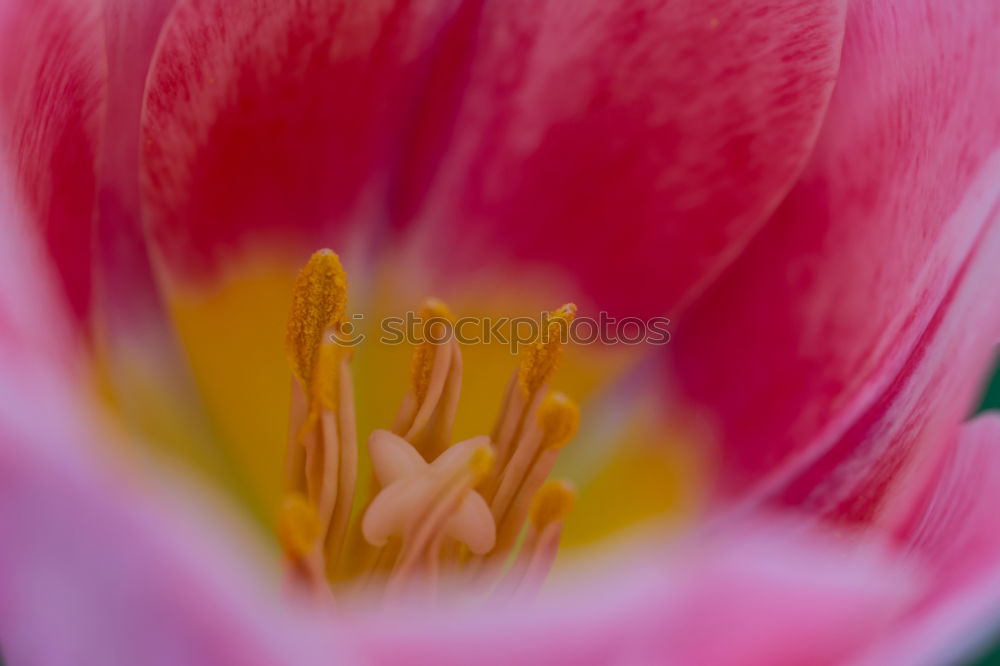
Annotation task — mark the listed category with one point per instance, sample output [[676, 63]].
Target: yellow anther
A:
[[318, 302], [298, 526], [552, 504], [481, 462], [539, 362], [435, 307], [559, 418], [435, 315]]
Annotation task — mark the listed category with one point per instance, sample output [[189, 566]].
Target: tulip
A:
[[807, 190]]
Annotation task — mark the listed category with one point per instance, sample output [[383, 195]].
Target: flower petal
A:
[[652, 138], [275, 122], [888, 453], [749, 598], [124, 279], [954, 526], [34, 329], [954, 529], [52, 88], [866, 302]]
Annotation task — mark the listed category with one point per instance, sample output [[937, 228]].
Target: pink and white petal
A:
[[635, 145], [955, 531], [873, 280], [52, 89], [273, 125], [748, 598]]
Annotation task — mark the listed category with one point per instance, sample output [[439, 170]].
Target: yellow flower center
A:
[[434, 509]]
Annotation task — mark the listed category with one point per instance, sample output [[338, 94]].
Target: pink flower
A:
[[808, 191]]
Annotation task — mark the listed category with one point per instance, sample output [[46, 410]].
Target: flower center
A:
[[433, 510]]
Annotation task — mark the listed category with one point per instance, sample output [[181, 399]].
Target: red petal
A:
[[276, 121], [52, 86], [857, 323], [637, 144]]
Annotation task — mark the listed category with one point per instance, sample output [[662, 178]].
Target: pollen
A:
[[319, 301], [429, 507], [540, 360]]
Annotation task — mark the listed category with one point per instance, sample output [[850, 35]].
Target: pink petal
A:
[[858, 322], [52, 86], [750, 598], [125, 278], [34, 329], [141, 360], [954, 525], [638, 145], [888, 453], [955, 531], [276, 121]]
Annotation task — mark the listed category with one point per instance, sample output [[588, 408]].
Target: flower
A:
[[830, 318]]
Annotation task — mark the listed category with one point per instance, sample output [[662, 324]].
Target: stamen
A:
[[336, 431], [549, 511], [557, 423], [560, 419], [298, 526], [298, 531], [541, 359], [432, 314], [428, 411], [318, 302], [525, 391], [431, 505], [529, 467], [552, 504]]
